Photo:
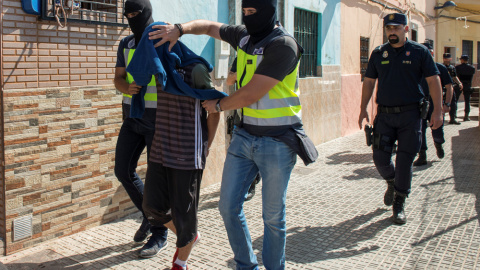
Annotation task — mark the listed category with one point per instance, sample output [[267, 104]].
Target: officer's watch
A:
[[447, 104], [217, 106]]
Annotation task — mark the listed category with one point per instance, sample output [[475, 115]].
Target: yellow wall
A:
[[451, 32]]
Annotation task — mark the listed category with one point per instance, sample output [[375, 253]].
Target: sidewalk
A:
[[335, 217]]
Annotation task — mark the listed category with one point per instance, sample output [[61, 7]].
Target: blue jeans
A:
[[134, 135], [248, 155]]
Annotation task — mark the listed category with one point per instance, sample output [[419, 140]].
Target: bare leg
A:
[[183, 252]]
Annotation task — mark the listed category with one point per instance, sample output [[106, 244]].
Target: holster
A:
[[369, 134], [424, 106]]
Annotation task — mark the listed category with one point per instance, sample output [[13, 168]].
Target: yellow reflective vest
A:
[[280, 107], [150, 95]]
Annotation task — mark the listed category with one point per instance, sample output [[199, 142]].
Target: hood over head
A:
[[142, 20], [260, 24]]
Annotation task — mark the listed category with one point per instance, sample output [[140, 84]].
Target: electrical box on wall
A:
[[31, 6], [222, 54]]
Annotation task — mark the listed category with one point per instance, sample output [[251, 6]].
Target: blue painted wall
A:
[[329, 43], [179, 11]]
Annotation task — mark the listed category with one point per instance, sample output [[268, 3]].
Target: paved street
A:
[[335, 217]]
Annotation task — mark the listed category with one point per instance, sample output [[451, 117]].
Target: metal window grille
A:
[[467, 48], [101, 12], [306, 33], [364, 47]]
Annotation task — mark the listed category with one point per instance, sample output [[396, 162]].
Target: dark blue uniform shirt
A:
[[400, 72], [444, 78]]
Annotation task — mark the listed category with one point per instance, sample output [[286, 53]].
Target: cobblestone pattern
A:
[[335, 216]]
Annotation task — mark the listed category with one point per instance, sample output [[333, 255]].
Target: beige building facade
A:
[[458, 32]]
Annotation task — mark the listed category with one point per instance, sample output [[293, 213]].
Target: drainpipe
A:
[[2, 142]]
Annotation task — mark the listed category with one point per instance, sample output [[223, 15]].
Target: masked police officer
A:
[[136, 133], [465, 73], [437, 134], [457, 87], [399, 66]]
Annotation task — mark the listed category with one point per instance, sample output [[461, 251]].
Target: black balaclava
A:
[[260, 24], [141, 21]]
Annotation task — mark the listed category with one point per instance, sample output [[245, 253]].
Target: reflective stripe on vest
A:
[[150, 95], [280, 106]]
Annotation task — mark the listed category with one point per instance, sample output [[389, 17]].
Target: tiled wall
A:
[[321, 105], [59, 152]]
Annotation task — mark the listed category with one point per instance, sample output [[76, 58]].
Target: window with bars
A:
[[364, 47], [307, 33], [102, 12], [467, 48]]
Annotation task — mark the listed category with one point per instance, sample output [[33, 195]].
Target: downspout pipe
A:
[[2, 138]]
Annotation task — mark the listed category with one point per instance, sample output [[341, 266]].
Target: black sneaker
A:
[[153, 246], [454, 122], [143, 232], [466, 118], [440, 151]]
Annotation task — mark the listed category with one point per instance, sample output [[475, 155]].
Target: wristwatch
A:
[[447, 104], [217, 106]]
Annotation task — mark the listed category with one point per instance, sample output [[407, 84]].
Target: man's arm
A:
[[254, 90], [212, 124], [448, 97], [367, 92], [435, 88], [172, 33], [122, 85], [457, 81]]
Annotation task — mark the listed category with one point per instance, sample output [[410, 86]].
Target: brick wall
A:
[[41, 54], [61, 119], [59, 152]]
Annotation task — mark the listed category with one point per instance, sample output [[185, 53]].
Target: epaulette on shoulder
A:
[[378, 49]]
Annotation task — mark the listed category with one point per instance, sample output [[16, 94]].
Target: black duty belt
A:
[[397, 109]]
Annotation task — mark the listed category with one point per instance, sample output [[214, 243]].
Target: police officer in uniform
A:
[[437, 134], [457, 87], [268, 139], [136, 133], [465, 73], [399, 65]]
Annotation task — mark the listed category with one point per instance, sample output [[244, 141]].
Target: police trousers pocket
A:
[[308, 152]]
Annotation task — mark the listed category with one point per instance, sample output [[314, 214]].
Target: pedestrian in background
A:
[[437, 134], [457, 87], [465, 73]]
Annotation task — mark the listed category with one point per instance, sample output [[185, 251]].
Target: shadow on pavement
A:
[[311, 244], [349, 158], [466, 163], [346, 158], [51, 260]]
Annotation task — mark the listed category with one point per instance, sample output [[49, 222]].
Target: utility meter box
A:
[[222, 55]]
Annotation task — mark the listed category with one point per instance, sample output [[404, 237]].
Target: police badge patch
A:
[[385, 54], [391, 17], [407, 53]]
